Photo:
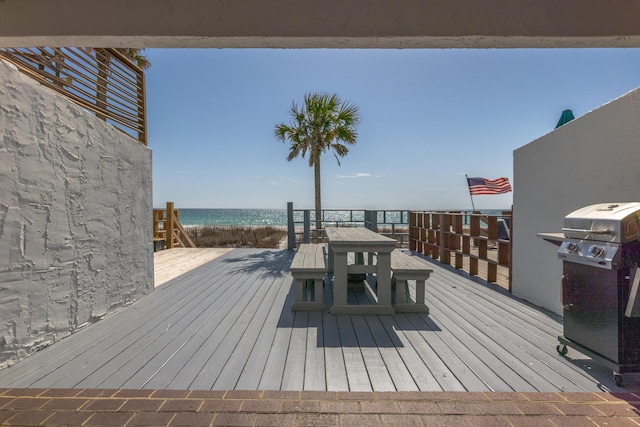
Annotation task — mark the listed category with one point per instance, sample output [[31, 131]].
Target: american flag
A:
[[488, 186]]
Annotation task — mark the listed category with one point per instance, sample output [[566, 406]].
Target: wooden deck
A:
[[228, 325], [169, 264]]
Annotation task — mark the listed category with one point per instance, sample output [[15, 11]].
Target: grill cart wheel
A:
[[562, 349], [619, 379]]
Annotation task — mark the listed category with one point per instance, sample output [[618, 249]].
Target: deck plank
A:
[[79, 345], [336, 371], [420, 373], [256, 364], [293, 375], [228, 324], [237, 321], [394, 364], [314, 368], [238, 359], [537, 365], [117, 372], [187, 364], [379, 376], [357, 375], [439, 340], [85, 353], [271, 378]]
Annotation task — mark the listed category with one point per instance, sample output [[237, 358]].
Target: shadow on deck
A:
[[227, 325]]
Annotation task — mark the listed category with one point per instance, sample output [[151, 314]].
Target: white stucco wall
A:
[[75, 217], [592, 159]]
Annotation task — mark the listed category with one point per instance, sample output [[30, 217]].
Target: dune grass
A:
[[235, 236]]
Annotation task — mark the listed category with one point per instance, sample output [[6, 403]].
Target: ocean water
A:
[[252, 217], [278, 217]]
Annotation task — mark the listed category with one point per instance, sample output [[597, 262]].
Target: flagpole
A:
[[470, 195]]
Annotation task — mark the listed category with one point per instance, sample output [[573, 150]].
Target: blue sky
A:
[[428, 117]]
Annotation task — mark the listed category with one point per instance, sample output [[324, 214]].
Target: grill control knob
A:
[[571, 247], [596, 251]]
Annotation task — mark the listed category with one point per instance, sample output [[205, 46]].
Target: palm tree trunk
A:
[[316, 173]]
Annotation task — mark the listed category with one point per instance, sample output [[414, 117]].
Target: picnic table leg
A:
[[300, 283], [329, 259], [383, 272], [420, 291], [339, 278], [400, 291], [318, 290]]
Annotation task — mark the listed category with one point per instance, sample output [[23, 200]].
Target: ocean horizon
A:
[[278, 217]]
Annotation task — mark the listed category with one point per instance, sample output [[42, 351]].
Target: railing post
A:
[[291, 229], [374, 221], [413, 231], [307, 225], [168, 225]]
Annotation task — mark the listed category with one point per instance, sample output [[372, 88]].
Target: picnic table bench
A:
[[406, 267], [308, 269]]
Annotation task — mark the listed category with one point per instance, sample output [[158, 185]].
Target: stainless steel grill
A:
[[601, 255], [605, 222]]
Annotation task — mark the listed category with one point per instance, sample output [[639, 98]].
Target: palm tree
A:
[[324, 123], [136, 55]]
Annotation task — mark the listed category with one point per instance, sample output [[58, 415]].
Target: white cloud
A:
[[359, 175], [286, 178]]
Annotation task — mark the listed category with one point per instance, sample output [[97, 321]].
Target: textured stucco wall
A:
[[75, 217], [592, 159]]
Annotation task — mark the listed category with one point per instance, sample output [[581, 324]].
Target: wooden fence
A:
[[475, 243], [102, 81], [167, 228]]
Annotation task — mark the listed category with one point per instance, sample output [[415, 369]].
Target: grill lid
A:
[[605, 222]]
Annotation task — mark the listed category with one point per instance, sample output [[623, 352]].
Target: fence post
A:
[[307, 225], [441, 237], [168, 225], [291, 229]]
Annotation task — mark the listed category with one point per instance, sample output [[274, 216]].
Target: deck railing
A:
[[301, 223], [102, 81], [476, 243], [167, 228]]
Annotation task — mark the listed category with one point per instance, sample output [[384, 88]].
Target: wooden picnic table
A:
[[345, 240]]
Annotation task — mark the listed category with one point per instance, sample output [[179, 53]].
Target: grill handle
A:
[[580, 230]]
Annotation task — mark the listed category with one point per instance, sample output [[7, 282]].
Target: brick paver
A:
[[170, 394], [181, 405], [219, 405], [276, 420], [234, 420], [29, 418], [68, 418], [191, 419], [296, 406], [273, 408], [109, 418]]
